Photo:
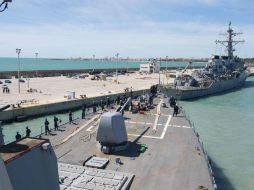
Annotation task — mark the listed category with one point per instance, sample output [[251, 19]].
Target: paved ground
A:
[[53, 89], [173, 159]]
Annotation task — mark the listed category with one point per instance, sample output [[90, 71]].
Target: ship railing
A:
[[193, 88], [208, 161]]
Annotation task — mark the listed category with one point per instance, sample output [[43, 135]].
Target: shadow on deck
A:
[[134, 148]]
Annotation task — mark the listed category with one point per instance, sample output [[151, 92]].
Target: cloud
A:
[[139, 28], [150, 39]]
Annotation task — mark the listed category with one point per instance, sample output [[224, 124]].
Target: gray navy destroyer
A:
[[220, 74], [137, 145]]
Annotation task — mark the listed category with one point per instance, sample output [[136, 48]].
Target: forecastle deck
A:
[[173, 159]]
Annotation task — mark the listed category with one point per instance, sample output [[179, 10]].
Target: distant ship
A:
[[220, 74]]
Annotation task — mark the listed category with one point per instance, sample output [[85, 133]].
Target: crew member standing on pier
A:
[[47, 131], [172, 101], [28, 132], [124, 97], [108, 102], [131, 105], [55, 123], [94, 107], [176, 108], [70, 117], [118, 100], [102, 105], [83, 115], [150, 100], [18, 136]]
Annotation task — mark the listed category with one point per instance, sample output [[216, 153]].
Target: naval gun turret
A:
[[111, 132]]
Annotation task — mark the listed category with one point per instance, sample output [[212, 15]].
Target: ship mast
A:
[[230, 42]]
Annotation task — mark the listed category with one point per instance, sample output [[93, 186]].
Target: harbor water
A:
[[30, 64], [37, 124], [224, 122]]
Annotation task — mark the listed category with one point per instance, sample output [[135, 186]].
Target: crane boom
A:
[[187, 66]]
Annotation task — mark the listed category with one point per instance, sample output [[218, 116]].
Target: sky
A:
[[132, 28]]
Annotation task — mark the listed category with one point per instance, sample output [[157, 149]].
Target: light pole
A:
[[117, 55], [36, 58], [166, 63], [160, 72], [166, 69], [93, 61], [18, 51], [28, 80], [127, 64]]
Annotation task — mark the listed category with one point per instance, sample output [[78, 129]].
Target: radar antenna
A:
[[4, 5], [229, 43]]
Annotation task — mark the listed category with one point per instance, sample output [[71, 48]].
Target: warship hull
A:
[[185, 93]]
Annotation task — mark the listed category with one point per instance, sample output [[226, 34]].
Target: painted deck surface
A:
[[173, 158]]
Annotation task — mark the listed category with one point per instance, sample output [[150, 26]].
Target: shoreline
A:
[[49, 73]]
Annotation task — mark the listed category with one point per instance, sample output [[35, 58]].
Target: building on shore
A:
[[151, 67]]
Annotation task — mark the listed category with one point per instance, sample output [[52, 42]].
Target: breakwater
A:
[[53, 73], [48, 67]]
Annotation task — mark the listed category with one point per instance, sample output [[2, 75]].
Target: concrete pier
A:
[[50, 108], [39, 96]]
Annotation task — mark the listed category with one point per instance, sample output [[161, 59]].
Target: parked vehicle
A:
[[21, 80], [7, 81]]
